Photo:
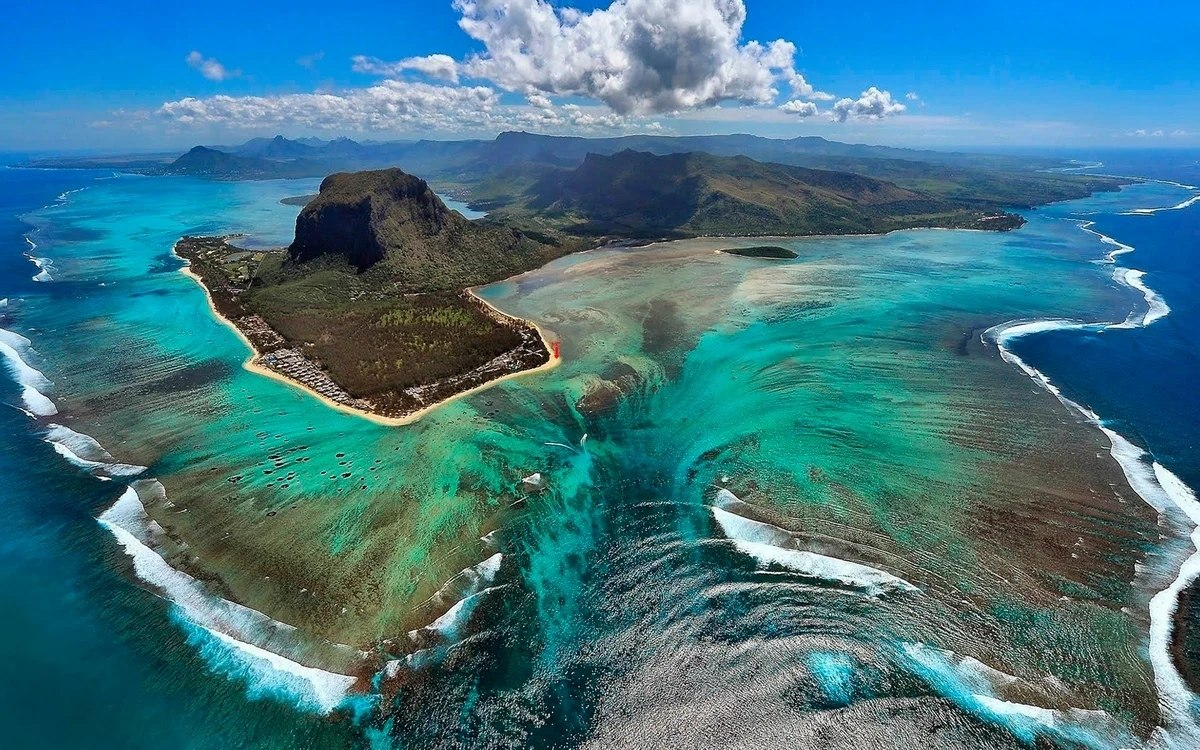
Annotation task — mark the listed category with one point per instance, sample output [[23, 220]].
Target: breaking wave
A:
[[972, 686], [771, 545], [235, 640], [44, 265], [1154, 483], [465, 590], [1177, 207], [31, 380], [86, 452]]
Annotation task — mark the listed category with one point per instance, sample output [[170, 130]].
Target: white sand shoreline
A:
[[252, 364]]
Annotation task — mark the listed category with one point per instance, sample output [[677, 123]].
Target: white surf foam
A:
[[45, 265], [962, 681], [249, 634], [86, 452], [1158, 488], [1156, 308], [450, 623], [28, 377], [267, 673], [1177, 207], [466, 590], [772, 545]]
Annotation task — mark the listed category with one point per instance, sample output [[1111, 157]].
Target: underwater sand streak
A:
[[1154, 483]]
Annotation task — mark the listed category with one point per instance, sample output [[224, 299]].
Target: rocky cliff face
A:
[[398, 234], [363, 216]]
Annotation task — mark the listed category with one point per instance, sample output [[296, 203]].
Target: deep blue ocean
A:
[[92, 660], [1145, 381]]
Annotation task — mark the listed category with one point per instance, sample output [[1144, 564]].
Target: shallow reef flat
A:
[[767, 499]]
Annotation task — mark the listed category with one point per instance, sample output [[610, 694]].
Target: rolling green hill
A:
[[638, 194], [466, 168]]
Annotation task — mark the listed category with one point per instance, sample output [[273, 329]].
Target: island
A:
[[371, 308], [770, 252]]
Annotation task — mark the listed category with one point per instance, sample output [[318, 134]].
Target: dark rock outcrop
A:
[[392, 228], [363, 215]]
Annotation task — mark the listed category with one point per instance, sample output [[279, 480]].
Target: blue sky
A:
[[149, 75]]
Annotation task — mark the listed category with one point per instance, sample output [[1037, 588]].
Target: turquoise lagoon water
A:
[[786, 503]]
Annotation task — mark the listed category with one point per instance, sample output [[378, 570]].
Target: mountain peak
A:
[[364, 215]]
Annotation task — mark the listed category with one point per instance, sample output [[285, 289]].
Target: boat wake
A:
[[1153, 482]]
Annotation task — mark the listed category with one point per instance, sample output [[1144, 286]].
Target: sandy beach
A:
[[252, 364]]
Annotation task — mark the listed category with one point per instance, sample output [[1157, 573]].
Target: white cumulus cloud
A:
[[799, 108], [617, 66], [442, 67], [636, 56], [210, 67], [395, 106], [390, 105], [872, 104]]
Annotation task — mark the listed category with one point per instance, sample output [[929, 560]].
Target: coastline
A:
[[252, 364], [1152, 482]]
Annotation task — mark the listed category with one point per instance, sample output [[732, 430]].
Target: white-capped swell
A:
[[771, 545], [1156, 307], [466, 590], [1157, 486], [31, 380], [236, 640], [450, 624], [86, 452], [1177, 207], [251, 643], [44, 265], [972, 686]]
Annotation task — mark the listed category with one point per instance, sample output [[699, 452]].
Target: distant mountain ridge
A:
[[472, 168], [640, 194]]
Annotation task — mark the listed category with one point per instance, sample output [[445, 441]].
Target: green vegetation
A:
[[493, 172], [370, 294], [399, 236], [298, 200], [367, 304], [762, 251], [637, 194]]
